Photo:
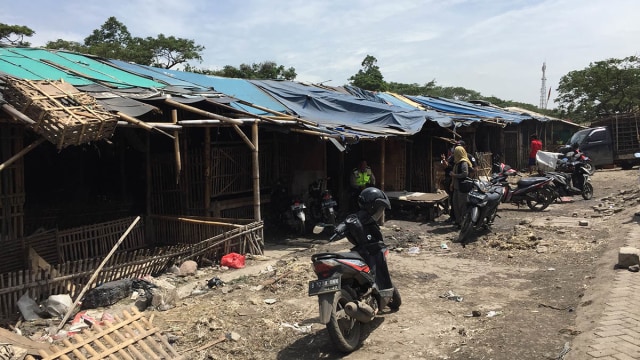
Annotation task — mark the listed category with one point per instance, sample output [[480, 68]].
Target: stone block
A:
[[628, 256]]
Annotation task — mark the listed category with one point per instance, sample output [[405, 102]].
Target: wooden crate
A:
[[62, 114]]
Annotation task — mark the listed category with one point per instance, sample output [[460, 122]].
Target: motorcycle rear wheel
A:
[[396, 300], [465, 227], [543, 198], [590, 169], [587, 191], [343, 330]]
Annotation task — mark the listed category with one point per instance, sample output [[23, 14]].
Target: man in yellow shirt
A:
[[361, 177]]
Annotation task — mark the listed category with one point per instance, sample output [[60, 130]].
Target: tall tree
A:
[[114, 41], [603, 88], [369, 77], [14, 34]]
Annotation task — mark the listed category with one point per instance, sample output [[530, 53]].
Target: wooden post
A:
[[21, 153], [149, 172], [207, 171], [176, 145], [256, 172], [95, 274]]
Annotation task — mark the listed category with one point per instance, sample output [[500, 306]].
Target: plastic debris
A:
[[414, 250], [444, 246], [493, 313], [296, 326], [215, 283], [451, 296]]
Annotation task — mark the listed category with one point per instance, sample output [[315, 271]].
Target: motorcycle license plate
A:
[[329, 203], [318, 287]]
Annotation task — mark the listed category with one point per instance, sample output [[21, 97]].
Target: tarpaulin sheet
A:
[[334, 109], [238, 88], [465, 108]]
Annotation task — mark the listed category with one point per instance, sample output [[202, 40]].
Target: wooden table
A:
[[434, 204]]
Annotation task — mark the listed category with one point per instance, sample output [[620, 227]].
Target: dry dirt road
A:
[[536, 279]]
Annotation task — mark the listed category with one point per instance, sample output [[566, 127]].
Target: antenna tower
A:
[[543, 88]]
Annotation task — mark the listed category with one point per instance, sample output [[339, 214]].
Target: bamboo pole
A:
[[176, 145], [283, 115], [142, 124], [207, 169], [256, 173], [17, 115], [202, 112], [95, 274], [21, 153]]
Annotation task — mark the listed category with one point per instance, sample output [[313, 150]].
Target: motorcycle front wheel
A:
[[587, 191], [465, 226], [343, 330], [542, 199]]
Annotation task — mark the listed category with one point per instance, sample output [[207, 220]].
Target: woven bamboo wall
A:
[[12, 193]]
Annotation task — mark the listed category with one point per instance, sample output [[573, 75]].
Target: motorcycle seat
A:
[[531, 181], [340, 255]]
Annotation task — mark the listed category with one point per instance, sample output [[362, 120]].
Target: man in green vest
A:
[[361, 177]]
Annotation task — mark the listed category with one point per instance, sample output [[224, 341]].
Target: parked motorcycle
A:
[[572, 156], [354, 286], [290, 211], [578, 182], [482, 207], [321, 203], [536, 192]]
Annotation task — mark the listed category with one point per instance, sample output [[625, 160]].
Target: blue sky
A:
[[496, 47]]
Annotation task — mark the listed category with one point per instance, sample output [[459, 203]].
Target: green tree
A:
[[369, 77], [603, 88], [114, 41], [264, 70], [14, 34], [171, 51]]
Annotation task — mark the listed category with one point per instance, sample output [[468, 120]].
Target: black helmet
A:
[[374, 201]]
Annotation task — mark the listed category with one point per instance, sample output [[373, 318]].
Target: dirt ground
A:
[[535, 279]]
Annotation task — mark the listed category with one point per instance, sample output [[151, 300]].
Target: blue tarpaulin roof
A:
[[238, 88], [469, 111], [339, 110]]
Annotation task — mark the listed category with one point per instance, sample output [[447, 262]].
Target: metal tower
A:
[[543, 88]]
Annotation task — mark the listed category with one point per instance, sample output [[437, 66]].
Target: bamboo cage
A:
[[62, 114]]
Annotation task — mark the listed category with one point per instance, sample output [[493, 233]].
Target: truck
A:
[[609, 141]]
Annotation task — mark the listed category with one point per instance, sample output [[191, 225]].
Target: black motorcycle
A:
[[289, 211], [537, 192], [482, 207], [354, 286], [321, 204], [577, 182]]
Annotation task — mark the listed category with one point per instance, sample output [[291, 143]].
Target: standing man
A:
[[361, 177], [534, 146]]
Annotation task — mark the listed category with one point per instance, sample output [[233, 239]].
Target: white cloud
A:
[[495, 47]]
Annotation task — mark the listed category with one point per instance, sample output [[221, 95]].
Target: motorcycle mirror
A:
[[318, 229], [637, 154]]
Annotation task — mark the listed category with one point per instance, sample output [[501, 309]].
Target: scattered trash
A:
[[270, 301], [551, 269], [451, 296], [414, 250], [233, 260], [29, 309], [58, 305], [444, 246], [295, 326], [215, 283], [493, 313]]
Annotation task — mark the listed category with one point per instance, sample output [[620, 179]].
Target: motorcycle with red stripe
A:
[[537, 192], [353, 287]]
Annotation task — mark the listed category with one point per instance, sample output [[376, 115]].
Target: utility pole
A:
[[543, 88]]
